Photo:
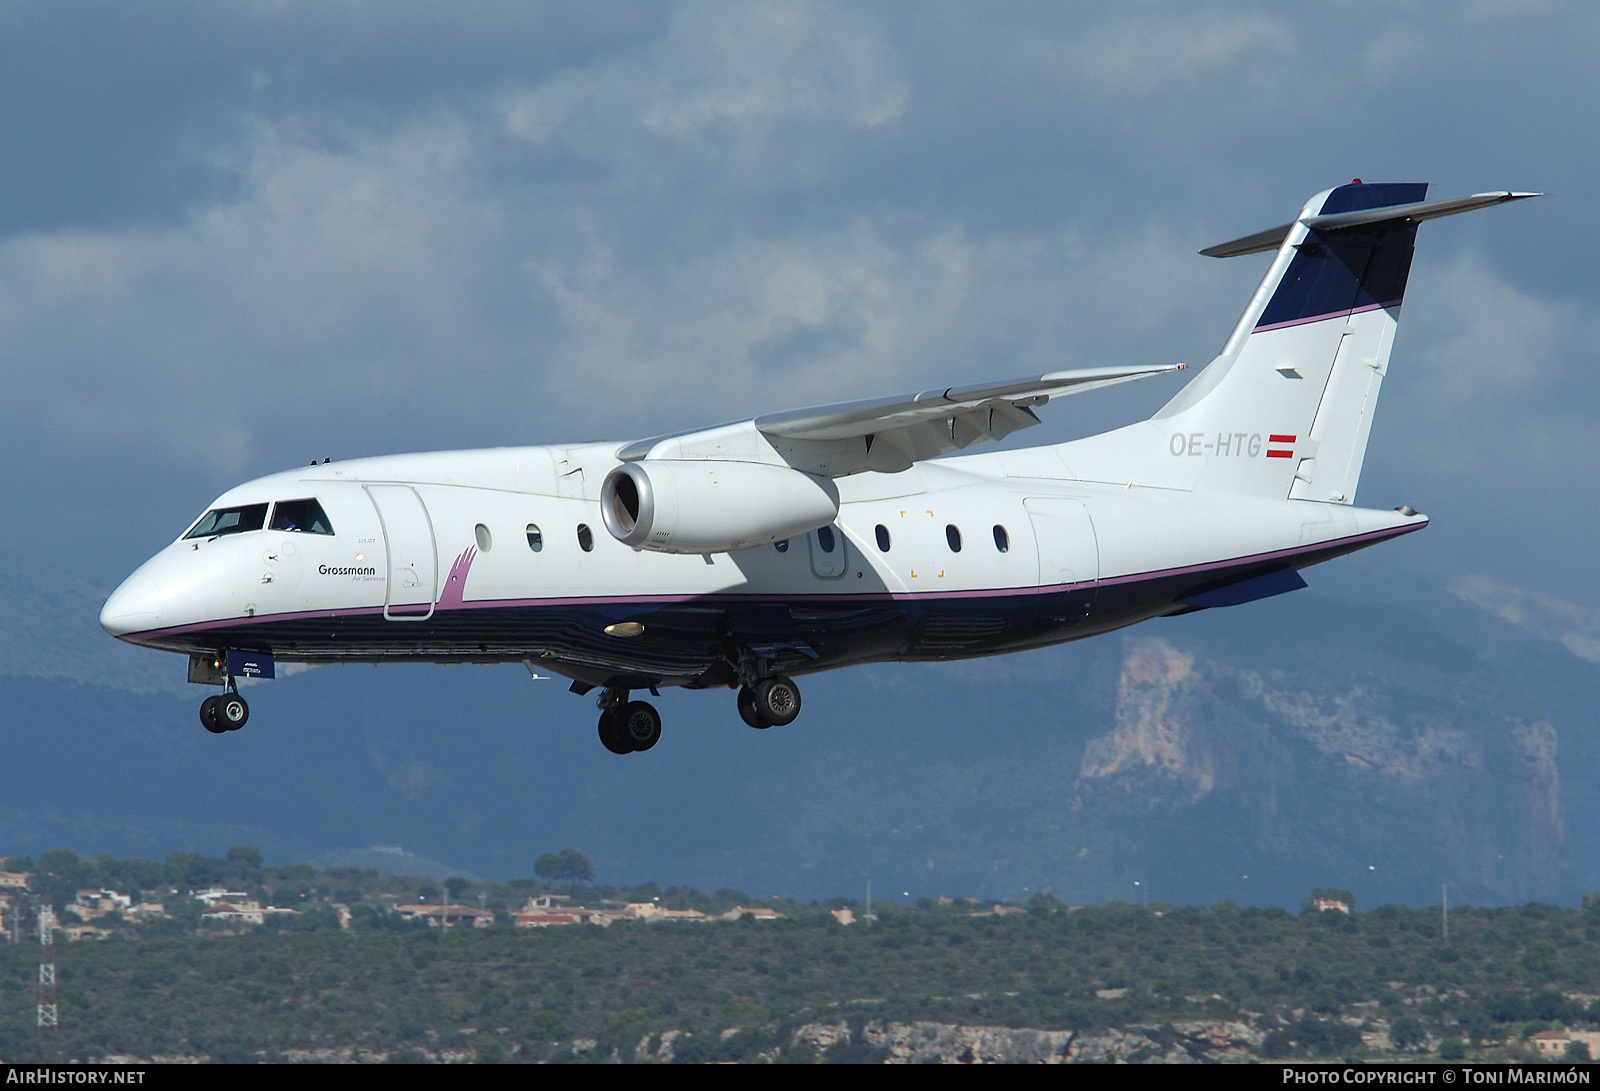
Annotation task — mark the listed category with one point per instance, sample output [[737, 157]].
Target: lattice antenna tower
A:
[[49, 1021]]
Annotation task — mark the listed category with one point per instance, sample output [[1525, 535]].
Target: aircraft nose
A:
[[133, 607]]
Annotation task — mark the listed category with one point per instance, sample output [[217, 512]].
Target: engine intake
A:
[[712, 507]]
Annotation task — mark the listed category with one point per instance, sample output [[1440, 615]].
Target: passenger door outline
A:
[[410, 552]]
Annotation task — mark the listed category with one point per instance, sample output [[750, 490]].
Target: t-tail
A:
[[1286, 408]]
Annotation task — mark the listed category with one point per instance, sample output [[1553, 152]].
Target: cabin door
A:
[[1069, 554], [413, 583]]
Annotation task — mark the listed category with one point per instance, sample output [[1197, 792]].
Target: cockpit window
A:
[[230, 521], [302, 515]]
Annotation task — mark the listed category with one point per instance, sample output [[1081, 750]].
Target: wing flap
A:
[[847, 420], [884, 434]]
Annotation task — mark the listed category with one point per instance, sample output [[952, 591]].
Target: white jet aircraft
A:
[[801, 541]]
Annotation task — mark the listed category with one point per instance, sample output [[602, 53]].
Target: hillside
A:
[[925, 982]]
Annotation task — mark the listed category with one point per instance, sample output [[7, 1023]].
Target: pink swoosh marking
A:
[[455, 585]]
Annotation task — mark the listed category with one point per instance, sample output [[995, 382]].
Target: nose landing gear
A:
[[229, 712]]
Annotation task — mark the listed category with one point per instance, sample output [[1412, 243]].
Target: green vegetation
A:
[[1322, 984], [567, 864]]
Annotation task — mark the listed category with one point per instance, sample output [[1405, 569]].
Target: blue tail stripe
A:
[[1360, 196], [1340, 271]]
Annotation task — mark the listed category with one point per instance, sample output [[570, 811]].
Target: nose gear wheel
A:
[[224, 713]]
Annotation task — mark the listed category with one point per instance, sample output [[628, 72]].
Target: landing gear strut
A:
[[771, 702], [229, 712], [627, 726]]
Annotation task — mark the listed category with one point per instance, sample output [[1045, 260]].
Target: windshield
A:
[[302, 515], [229, 521]]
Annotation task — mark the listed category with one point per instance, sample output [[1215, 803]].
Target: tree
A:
[[1406, 1032], [62, 872], [568, 864], [244, 858]]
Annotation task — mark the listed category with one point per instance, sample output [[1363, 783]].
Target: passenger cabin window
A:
[[305, 516], [825, 539], [229, 521], [535, 538], [952, 534], [585, 538], [484, 539], [1002, 540], [883, 537]]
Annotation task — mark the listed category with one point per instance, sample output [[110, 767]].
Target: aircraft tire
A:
[[638, 724], [610, 737], [777, 700], [747, 710], [209, 717], [232, 712]]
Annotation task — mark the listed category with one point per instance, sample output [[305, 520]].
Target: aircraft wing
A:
[[889, 434]]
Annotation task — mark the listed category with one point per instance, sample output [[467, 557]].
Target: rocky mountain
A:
[[1251, 754]]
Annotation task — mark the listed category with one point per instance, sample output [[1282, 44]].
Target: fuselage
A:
[[501, 555]]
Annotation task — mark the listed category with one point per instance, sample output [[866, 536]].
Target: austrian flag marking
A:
[[1279, 453]]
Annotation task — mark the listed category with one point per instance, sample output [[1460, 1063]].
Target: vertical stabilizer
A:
[[1291, 409], [1286, 409]]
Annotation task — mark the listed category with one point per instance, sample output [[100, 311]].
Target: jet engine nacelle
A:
[[712, 507]]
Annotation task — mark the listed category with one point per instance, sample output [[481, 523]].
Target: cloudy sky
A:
[[238, 236]]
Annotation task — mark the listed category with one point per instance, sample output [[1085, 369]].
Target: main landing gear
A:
[[771, 702], [225, 713], [627, 726]]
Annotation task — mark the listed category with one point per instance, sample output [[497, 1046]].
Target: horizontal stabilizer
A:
[[1260, 242], [1415, 212]]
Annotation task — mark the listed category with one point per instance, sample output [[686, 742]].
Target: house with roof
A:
[[91, 905], [1553, 1044], [436, 915], [85, 931], [551, 918], [654, 911], [215, 894], [248, 911]]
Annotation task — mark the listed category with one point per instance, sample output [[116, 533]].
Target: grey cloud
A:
[[1142, 52], [256, 234]]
